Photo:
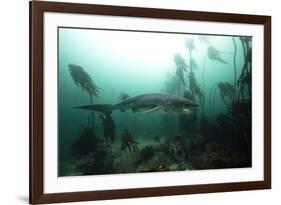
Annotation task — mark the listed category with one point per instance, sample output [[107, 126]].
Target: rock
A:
[[125, 163]]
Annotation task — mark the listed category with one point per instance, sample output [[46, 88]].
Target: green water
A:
[[135, 63]]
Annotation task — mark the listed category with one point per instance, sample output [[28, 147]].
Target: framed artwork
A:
[[138, 102]]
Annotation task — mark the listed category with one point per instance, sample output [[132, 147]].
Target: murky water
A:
[[143, 134]]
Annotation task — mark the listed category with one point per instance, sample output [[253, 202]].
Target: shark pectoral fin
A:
[[186, 111], [104, 108], [153, 109]]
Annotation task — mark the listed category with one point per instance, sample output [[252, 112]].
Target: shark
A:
[[147, 103]]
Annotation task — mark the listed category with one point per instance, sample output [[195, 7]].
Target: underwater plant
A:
[[146, 154], [186, 123], [128, 142], [100, 162], [245, 77], [157, 139], [172, 84], [85, 82], [193, 64], [181, 69], [179, 61], [196, 89], [193, 85], [85, 144], [204, 39], [109, 127], [226, 91], [212, 94], [91, 154], [177, 147], [215, 55], [234, 64], [190, 45]]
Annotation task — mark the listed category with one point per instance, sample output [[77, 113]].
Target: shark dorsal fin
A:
[[124, 96]]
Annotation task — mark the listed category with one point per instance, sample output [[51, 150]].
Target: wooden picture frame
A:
[[37, 10]]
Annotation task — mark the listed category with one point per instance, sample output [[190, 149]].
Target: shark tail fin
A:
[[104, 108]]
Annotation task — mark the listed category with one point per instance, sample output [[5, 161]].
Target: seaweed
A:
[[181, 69], [234, 65], [100, 162], [227, 92], [245, 78], [91, 154], [145, 154], [212, 141], [85, 144], [172, 84], [85, 82]]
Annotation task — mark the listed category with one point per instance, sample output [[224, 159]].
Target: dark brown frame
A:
[[37, 9]]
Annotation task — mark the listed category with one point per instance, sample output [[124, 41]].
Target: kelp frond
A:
[[83, 80]]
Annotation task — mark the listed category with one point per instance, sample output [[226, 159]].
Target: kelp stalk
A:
[[211, 95], [203, 72], [190, 74], [85, 82], [235, 67], [245, 74]]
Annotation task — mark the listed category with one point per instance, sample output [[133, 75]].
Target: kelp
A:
[[181, 68], [245, 78], [234, 64], [227, 90], [86, 143], [215, 54], [83, 80]]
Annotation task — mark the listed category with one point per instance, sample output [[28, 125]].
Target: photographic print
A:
[[132, 101]]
